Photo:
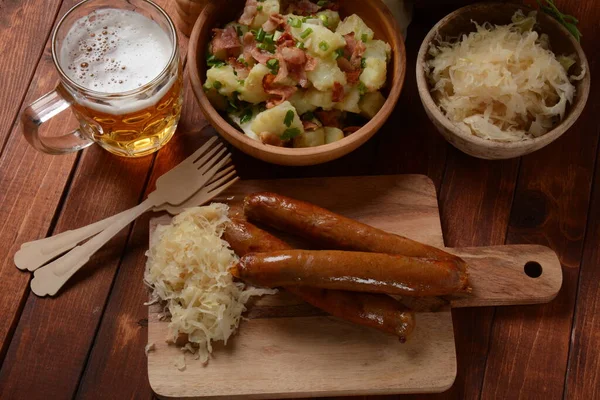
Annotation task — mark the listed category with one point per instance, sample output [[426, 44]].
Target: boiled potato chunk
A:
[[224, 80], [373, 76], [253, 91], [300, 103], [269, 7], [318, 40], [319, 99], [325, 74], [310, 138], [355, 24], [371, 103], [378, 49], [330, 18], [350, 101], [273, 120], [333, 134]]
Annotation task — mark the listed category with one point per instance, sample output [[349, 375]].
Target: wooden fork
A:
[[174, 188], [35, 254]]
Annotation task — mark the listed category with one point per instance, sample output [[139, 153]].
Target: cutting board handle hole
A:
[[533, 269]]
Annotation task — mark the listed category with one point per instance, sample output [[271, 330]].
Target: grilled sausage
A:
[[331, 230], [374, 310], [353, 271]]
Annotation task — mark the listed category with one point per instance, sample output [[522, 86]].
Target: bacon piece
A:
[[353, 76], [311, 63], [310, 126], [271, 139], [286, 40], [351, 129], [293, 55], [338, 92], [226, 40], [242, 70], [303, 7], [274, 22], [283, 73], [250, 11], [354, 50], [332, 118], [281, 93]]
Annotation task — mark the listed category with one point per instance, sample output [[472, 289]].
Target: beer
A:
[[128, 79]]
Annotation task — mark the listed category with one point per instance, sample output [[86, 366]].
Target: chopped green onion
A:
[[263, 46], [217, 85], [364, 38], [241, 82], [306, 33], [290, 133], [300, 45], [324, 46], [289, 118], [239, 31], [339, 53], [273, 65], [325, 19], [362, 88], [363, 63], [246, 116], [270, 38], [260, 35], [295, 22], [259, 8], [322, 3], [213, 61]]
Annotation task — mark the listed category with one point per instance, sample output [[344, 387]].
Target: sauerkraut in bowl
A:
[[502, 82], [296, 73]]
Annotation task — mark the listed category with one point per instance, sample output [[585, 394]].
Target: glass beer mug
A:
[[120, 73]]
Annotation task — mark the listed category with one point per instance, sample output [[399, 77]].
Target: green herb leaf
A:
[[322, 3], [289, 118], [568, 21], [290, 133], [246, 116]]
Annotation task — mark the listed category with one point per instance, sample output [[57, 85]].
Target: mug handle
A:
[[42, 110]]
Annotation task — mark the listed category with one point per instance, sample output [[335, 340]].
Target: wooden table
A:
[[89, 341]]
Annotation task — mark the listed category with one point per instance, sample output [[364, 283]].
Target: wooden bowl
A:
[[561, 41], [373, 12]]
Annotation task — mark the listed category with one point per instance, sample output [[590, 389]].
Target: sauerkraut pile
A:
[[187, 268], [291, 73], [502, 82]]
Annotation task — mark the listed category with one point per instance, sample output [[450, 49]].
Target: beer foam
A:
[[114, 51]]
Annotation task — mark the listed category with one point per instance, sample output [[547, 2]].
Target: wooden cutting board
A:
[[289, 349]]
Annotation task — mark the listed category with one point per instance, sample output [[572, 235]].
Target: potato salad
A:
[[295, 74]]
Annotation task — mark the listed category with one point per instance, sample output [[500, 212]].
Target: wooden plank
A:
[[60, 331], [409, 143], [31, 187], [529, 345], [27, 23], [583, 374]]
